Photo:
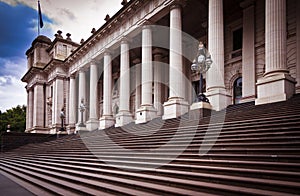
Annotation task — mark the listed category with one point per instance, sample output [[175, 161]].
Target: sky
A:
[[18, 28]]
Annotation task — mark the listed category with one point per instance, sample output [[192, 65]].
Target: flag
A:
[[40, 15]]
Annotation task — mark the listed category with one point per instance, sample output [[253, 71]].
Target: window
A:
[[237, 37], [62, 50]]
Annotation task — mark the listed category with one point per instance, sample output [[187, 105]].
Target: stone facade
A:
[[136, 67]]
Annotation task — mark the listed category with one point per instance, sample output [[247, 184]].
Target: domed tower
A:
[[37, 55]]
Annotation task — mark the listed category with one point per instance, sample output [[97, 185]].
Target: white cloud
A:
[[12, 91], [75, 17]]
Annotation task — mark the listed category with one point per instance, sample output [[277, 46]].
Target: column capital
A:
[[247, 3], [81, 69], [146, 24], [73, 76], [107, 51], [177, 4], [125, 40], [93, 61]]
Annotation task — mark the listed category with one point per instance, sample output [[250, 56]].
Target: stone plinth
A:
[[92, 124], [106, 122], [145, 114], [200, 105], [174, 108], [123, 118], [278, 87]]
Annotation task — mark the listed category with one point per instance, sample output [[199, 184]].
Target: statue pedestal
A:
[[199, 110]]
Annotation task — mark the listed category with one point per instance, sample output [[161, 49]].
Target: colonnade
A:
[[275, 85]]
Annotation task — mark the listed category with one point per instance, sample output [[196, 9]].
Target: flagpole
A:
[[38, 18]]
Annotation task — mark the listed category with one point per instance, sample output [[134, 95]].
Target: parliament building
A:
[[137, 66]]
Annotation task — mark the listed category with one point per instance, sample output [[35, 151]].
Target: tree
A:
[[15, 117]]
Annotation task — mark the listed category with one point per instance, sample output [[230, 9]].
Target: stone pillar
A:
[[176, 105], [158, 69], [29, 110], [146, 112], [58, 103], [81, 96], [248, 57], [93, 121], [107, 119], [124, 116], [215, 86], [137, 64], [298, 50], [38, 108], [72, 104], [276, 84]]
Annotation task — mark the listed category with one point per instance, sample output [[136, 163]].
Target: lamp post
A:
[[62, 116], [201, 64]]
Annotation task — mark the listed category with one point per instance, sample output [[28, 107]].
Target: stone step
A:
[[157, 181]]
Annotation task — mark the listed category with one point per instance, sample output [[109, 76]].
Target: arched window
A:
[[237, 90]]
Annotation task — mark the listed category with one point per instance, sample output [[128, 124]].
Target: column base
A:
[[174, 108], [39, 130], [159, 108], [275, 88], [80, 127], [106, 122], [123, 118], [145, 114], [247, 99], [55, 128], [92, 124], [218, 98], [71, 129]]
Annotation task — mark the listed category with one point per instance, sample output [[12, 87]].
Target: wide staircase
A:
[[243, 150]]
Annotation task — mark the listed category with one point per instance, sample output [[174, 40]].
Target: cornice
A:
[[113, 22]]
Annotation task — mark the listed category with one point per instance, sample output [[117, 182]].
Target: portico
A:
[[119, 71]]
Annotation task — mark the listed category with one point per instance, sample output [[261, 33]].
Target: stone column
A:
[[277, 84], [38, 108], [72, 105], [81, 96], [215, 85], [158, 69], [107, 119], [124, 116], [298, 50], [93, 122], [29, 110], [176, 105], [58, 102], [146, 112], [137, 62], [248, 57]]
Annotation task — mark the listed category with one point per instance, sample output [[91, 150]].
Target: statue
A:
[[62, 116], [82, 109]]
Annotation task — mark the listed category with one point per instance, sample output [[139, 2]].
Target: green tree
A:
[[15, 117]]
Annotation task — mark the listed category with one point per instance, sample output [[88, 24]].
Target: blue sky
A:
[[18, 21]]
